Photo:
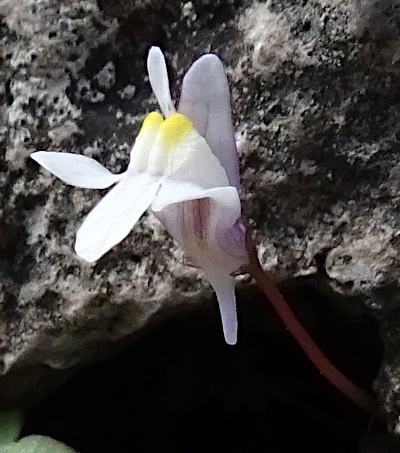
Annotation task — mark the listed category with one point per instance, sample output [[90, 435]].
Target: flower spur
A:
[[184, 169]]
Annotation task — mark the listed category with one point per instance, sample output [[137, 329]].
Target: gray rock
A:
[[128, 92], [106, 77], [315, 91]]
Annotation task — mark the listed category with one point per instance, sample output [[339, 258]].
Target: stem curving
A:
[[313, 352]]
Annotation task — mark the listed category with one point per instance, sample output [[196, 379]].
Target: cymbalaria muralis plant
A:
[[184, 169]]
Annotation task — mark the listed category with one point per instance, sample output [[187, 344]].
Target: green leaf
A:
[[36, 444], [10, 425]]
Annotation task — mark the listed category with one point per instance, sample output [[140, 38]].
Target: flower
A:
[[184, 169]]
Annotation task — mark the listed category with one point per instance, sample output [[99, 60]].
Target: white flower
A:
[[184, 169]]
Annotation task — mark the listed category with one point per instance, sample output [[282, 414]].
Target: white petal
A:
[[158, 76], [227, 198], [144, 142], [76, 169], [180, 152], [224, 287], [114, 216], [205, 100]]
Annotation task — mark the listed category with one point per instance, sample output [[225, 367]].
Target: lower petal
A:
[[114, 216], [172, 191], [76, 169]]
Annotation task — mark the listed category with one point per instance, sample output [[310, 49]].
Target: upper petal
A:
[[76, 169], [205, 100], [158, 77], [115, 215]]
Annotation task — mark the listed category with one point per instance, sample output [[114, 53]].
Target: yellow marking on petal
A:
[[145, 141], [151, 123], [174, 127]]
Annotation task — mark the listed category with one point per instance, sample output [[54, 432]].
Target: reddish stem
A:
[[313, 352]]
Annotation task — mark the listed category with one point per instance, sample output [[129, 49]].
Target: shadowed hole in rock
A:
[[181, 388]]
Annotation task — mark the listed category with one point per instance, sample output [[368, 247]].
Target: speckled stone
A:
[[315, 89]]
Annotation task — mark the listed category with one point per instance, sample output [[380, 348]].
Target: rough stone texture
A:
[[316, 106]]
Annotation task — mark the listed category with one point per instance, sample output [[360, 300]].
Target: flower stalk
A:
[[357, 395]]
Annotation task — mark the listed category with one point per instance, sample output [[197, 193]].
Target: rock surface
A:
[[316, 104]]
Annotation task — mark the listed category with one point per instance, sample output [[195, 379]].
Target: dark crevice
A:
[[181, 388], [9, 96]]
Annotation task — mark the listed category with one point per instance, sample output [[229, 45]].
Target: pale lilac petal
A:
[[158, 77], [204, 223], [201, 221], [114, 216], [205, 100], [224, 287], [76, 169]]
